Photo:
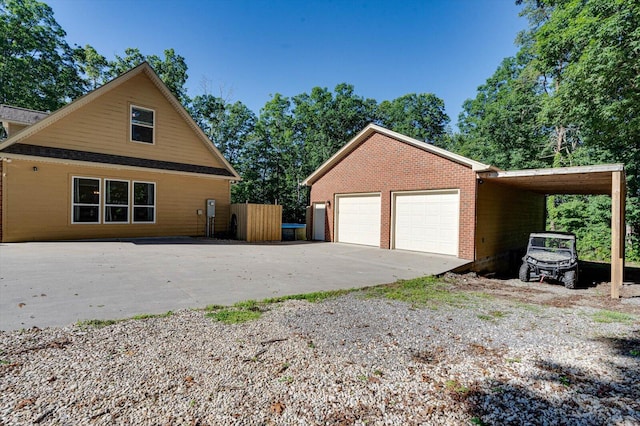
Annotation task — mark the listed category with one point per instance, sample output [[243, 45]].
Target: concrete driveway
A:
[[59, 283]]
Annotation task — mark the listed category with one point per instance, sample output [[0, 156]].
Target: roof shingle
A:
[[21, 115], [95, 157]]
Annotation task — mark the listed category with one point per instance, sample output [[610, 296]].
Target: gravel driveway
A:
[[492, 359]]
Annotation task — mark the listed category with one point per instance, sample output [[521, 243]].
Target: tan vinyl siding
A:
[[505, 217], [37, 204], [13, 128], [103, 126]]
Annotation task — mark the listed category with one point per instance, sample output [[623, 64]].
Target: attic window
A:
[[142, 124]]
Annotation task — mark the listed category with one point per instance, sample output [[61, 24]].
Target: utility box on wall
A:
[[211, 215], [256, 222]]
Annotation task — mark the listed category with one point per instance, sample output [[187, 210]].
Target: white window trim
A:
[[133, 205], [105, 205], [131, 124], [73, 203]]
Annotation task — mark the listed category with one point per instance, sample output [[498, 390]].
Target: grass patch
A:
[[234, 316], [492, 315], [250, 310], [147, 316], [420, 292], [3, 361], [98, 323], [247, 305], [529, 307], [455, 386], [314, 297], [482, 295], [477, 421], [613, 317], [210, 308]]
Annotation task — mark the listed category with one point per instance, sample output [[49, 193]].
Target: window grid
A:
[[142, 129], [140, 206], [144, 204], [112, 208], [80, 208]]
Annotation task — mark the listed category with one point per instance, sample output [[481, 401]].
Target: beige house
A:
[[125, 160]]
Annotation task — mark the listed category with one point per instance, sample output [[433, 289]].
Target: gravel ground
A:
[[344, 361]]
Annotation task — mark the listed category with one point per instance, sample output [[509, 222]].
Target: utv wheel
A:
[[570, 279], [524, 274]]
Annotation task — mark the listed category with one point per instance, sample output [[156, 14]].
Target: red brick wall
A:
[[383, 164]]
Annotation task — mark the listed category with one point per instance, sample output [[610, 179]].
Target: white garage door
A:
[[427, 221], [359, 219]]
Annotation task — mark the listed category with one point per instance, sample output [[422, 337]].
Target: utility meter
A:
[[211, 214]]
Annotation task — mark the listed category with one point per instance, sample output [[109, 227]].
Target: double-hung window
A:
[[142, 124], [144, 202], [123, 201], [116, 201], [86, 200]]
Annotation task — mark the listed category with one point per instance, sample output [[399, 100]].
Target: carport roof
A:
[[559, 180], [603, 179]]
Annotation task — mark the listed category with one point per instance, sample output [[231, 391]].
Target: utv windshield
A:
[[551, 248], [552, 244]]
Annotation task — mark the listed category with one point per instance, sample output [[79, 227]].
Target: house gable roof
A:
[[373, 128], [21, 115], [143, 68]]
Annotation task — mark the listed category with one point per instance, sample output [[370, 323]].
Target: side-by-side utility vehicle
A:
[[551, 255]]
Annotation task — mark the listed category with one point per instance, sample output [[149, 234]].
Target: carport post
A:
[[617, 232]]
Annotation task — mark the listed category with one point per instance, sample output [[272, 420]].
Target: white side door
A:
[[319, 214]]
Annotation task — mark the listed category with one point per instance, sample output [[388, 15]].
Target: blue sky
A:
[[249, 50]]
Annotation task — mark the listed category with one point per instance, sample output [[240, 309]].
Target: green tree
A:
[[37, 66], [500, 126], [172, 69], [93, 65], [420, 116], [325, 121], [272, 164], [594, 47], [229, 126]]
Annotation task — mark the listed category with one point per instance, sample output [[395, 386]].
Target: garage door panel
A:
[[427, 222], [359, 219]]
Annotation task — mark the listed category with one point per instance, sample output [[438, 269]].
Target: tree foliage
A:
[[420, 116], [571, 96], [37, 66], [172, 69]]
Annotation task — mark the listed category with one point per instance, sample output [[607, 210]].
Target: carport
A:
[[605, 179]]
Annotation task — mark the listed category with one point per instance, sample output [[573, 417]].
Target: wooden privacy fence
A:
[[256, 222]]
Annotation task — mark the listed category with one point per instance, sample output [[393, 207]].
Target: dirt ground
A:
[[593, 292]]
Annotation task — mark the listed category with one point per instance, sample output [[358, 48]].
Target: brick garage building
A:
[[388, 190]]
